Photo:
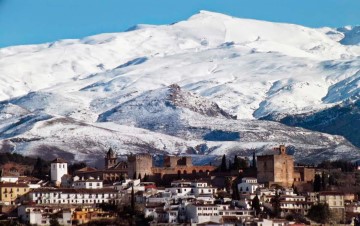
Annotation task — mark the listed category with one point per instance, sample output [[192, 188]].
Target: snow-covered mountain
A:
[[82, 96]]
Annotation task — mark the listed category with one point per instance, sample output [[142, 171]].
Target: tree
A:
[[254, 160], [317, 183], [255, 205], [323, 181], [76, 166], [236, 165], [132, 200], [295, 190], [320, 213], [54, 222], [39, 170], [276, 205], [223, 167], [243, 163]]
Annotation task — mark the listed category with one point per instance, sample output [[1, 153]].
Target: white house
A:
[[248, 185], [162, 213], [294, 204], [58, 169], [270, 222], [200, 213], [41, 215], [90, 183], [73, 196], [197, 189], [9, 177]]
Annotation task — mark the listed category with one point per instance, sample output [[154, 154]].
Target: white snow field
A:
[[78, 97]]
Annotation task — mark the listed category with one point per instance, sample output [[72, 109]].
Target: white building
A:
[[248, 185], [200, 213], [197, 189], [128, 184], [73, 196], [162, 213], [294, 204], [58, 169], [9, 177], [269, 222], [41, 215], [90, 183]]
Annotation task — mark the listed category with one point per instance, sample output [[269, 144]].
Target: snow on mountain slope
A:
[[250, 69]]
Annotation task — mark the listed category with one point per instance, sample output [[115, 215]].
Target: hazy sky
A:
[[37, 21]]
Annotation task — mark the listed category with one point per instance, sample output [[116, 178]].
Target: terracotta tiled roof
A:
[[58, 160], [76, 191], [330, 193], [15, 185], [86, 169]]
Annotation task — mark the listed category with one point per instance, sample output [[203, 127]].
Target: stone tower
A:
[[277, 168], [58, 169], [139, 165], [110, 159]]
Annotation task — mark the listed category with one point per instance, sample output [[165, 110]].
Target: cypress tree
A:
[[132, 200], [236, 163], [254, 160], [317, 183], [255, 205], [223, 164], [323, 181]]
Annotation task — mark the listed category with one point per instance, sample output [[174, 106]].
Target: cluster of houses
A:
[[186, 197]]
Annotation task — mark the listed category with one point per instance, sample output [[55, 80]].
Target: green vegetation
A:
[[320, 213], [16, 158]]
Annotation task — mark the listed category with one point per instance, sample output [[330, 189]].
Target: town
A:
[[263, 190]]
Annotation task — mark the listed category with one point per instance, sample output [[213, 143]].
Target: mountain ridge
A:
[[240, 67]]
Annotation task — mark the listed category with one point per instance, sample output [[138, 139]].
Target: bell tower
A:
[[110, 159]]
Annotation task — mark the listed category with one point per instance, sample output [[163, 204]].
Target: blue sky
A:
[[37, 21]]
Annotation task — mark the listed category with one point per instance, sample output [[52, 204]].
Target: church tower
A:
[[110, 159], [58, 169]]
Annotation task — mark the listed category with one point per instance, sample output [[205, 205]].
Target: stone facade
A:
[[276, 169], [174, 161], [304, 174], [110, 159], [139, 165]]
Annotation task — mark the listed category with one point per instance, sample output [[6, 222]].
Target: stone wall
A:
[[140, 164], [265, 168]]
